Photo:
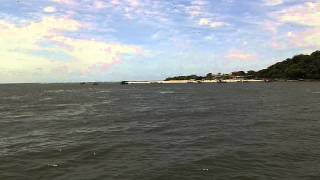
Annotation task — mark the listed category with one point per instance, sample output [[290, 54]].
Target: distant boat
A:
[[82, 83]]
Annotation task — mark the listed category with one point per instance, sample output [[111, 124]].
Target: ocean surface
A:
[[250, 131]]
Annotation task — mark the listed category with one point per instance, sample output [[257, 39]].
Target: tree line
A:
[[298, 67]]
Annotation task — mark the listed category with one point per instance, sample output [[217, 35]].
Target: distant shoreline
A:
[[168, 82], [298, 68], [218, 81]]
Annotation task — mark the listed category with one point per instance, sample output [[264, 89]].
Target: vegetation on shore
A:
[[297, 67]]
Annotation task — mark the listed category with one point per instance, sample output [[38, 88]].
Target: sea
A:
[[236, 131]]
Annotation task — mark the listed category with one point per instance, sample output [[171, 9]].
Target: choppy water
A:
[[165, 132]]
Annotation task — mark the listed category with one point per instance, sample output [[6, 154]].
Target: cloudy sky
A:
[[112, 40]]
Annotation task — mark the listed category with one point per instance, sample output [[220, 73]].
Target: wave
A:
[[46, 99], [166, 92], [12, 98], [59, 91]]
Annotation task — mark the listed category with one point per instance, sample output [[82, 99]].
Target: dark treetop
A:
[[298, 67]]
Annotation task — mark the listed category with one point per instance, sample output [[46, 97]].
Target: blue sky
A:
[[113, 40]]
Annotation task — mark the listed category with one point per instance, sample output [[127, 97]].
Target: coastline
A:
[[218, 81], [194, 81]]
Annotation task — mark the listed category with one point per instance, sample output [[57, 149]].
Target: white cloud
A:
[[49, 9], [211, 24], [273, 2], [307, 14], [100, 4], [64, 1], [21, 45], [307, 39], [134, 3], [197, 8], [236, 55]]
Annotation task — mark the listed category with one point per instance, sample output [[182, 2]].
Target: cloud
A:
[[49, 9], [272, 26], [143, 11], [306, 39], [200, 11], [236, 55], [211, 24], [28, 35], [115, 3], [42, 46], [88, 53], [273, 2], [100, 4], [134, 3], [196, 8], [64, 1], [306, 14]]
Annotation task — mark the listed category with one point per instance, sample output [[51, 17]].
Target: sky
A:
[[114, 40]]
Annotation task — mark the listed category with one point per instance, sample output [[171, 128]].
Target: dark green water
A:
[[166, 132]]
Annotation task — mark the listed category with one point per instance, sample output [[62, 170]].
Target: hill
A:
[[298, 67]]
